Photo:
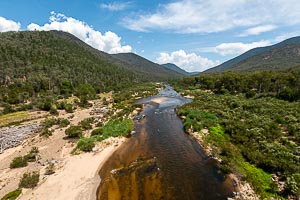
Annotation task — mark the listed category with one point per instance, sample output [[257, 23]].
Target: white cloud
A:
[[207, 16], [258, 30], [116, 6], [237, 48], [8, 25], [189, 62], [109, 42]]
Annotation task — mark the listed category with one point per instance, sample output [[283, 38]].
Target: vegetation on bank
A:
[[12, 195], [119, 122], [113, 128], [254, 136], [22, 161], [29, 180], [282, 85]]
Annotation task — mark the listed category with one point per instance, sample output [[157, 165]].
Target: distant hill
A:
[[44, 60], [281, 56], [175, 68], [145, 66]]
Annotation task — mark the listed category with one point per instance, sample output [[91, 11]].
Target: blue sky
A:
[[194, 34]]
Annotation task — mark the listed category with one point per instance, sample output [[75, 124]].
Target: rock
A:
[[95, 149]]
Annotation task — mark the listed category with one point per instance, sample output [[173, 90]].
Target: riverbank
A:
[[77, 177], [74, 176], [242, 189]]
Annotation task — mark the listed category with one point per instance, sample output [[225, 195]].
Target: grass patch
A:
[[12, 195], [259, 179], [14, 117], [118, 127]]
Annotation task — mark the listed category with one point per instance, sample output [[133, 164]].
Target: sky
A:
[[193, 34]]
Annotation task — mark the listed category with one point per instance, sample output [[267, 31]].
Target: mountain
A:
[[175, 68], [44, 60], [145, 66], [281, 56]]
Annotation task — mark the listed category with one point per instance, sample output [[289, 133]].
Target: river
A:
[[160, 161]]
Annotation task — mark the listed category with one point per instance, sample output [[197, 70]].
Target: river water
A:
[[160, 161]]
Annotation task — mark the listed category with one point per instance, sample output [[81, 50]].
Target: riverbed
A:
[[160, 161]]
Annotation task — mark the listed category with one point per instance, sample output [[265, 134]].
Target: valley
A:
[[79, 123]]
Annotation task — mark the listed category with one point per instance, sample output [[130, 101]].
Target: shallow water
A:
[[160, 161]]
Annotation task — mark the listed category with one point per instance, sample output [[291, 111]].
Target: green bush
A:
[[32, 155], [19, 161], [46, 132], [29, 180], [86, 144], [69, 108], [12, 195], [97, 131], [74, 132], [86, 123], [63, 123]]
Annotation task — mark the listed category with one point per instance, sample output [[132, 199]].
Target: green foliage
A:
[[115, 128], [12, 195], [29, 180], [262, 131], [19, 161], [69, 108], [46, 132], [260, 180], [283, 85], [63, 123], [31, 156], [74, 132], [97, 131], [293, 184], [197, 120], [86, 123], [86, 144]]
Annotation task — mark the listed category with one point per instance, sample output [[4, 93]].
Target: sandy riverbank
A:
[[75, 177], [78, 176]]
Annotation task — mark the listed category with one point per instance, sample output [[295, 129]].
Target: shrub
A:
[[47, 123], [63, 123], [29, 180], [86, 144], [73, 132], [97, 131], [12, 195], [19, 161], [86, 123], [50, 169], [46, 132], [69, 108], [31, 156], [53, 111]]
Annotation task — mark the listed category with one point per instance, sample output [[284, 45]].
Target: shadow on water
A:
[[160, 161]]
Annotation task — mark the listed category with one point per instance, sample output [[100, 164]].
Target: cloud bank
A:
[[116, 6], [207, 16], [8, 25], [109, 42], [237, 48], [189, 62]]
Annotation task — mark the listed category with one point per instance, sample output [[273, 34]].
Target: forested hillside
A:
[[57, 62], [279, 57]]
